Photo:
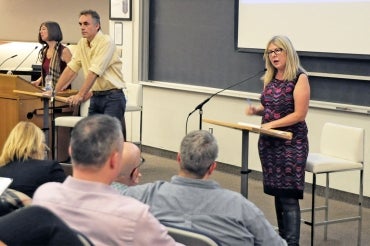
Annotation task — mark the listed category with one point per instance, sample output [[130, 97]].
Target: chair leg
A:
[[326, 220], [313, 209], [53, 146], [141, 130], [55, 150], [326, 206], [360, 201]]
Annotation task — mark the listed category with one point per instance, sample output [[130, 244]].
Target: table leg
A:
[[244, 168], [46, 120]]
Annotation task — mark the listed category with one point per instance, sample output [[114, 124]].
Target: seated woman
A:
[[23, 159]]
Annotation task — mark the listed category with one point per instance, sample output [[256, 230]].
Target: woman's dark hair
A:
[[54, 32]]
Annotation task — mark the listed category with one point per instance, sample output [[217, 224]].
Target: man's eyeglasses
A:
[[276, 51], [142, 160]]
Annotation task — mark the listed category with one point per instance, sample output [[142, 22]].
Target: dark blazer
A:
[[28, 175]]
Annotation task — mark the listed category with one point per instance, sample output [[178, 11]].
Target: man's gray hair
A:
[[94, 138], [94, 15], [198, 151]]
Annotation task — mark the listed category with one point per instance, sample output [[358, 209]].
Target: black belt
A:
[[107, 92]]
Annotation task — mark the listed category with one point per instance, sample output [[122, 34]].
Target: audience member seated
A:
[[87, 203], [23, 159], [35, 225], [131, 161], [191, 200], [11, 200]]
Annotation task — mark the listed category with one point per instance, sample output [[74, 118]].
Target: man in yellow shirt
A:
[[99, 59]]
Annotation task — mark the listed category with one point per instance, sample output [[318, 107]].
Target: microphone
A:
[[218, 92], [200, 106], [8, 59], [11, 72]]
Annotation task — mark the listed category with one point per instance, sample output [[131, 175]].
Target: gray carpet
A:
[[164, 166]]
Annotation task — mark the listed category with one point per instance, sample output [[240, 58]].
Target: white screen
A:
[[329, 26]]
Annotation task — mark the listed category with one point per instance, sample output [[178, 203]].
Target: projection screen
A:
[[328, 26]]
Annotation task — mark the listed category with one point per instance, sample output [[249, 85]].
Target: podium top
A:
[[252, 128], [60, 97]]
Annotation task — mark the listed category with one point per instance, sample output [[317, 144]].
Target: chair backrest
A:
[[85, 241], [134, 94], [191, 237], [342, 141], [84, 108], [67, 167]]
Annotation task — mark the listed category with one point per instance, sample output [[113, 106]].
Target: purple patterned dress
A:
[[283, 161]]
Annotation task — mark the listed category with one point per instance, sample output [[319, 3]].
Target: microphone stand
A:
[[11, 72], [200, 106], [53, 124], [7, 59], [30, 114]]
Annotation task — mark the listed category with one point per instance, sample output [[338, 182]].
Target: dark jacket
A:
[[30, 174]]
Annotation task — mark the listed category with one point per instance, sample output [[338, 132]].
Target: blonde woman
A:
[[22, 159], [284, 106]]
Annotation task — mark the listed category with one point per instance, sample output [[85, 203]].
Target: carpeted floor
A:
[[157, 167]]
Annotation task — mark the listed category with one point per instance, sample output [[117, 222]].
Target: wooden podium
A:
[[246, 128], [18, 101]]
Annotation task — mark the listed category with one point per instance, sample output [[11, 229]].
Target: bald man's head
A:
[[131, 159]]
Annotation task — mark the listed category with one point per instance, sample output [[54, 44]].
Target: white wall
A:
[[21, 19], [22, 50]]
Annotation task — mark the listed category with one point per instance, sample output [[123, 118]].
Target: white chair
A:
[[69, 121], [341, 150], [134, 103], [191, 237]]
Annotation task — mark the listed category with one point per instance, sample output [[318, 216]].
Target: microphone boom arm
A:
[[23, 60], [7, 59], [200, 106]]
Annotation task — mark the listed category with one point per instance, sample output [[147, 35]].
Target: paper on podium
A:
[[252, 128], [250, 125], [272, 132]]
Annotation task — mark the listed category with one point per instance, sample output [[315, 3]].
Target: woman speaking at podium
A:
[[284, 105], [54, 56]]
